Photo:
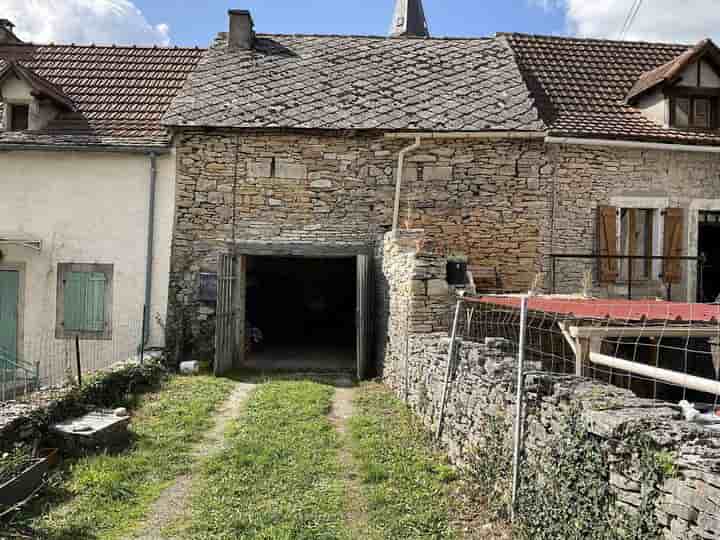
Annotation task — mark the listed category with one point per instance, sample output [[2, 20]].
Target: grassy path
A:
[[279, 478], [299, 460], [107, 496], [405, 482]]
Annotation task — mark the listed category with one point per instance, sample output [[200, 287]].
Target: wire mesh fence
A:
[[47, 362], [659, 350], [667, 354]]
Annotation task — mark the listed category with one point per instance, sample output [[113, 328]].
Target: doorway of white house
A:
[[709, 248], [301, 313]]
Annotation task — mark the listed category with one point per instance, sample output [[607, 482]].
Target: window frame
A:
[[659, 204], [693, 94], [62, 271], [10, 111]]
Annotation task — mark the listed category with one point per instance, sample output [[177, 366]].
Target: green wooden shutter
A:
[[84, 298], [95, 302]]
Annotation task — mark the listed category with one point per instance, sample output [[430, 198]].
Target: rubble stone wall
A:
[[586, 177], [487, 199], [415, 361], [483, 382]]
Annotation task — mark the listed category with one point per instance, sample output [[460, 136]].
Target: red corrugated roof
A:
[[621, 310]]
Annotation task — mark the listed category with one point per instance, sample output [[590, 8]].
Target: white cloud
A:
[[82, 21], [686, 21]]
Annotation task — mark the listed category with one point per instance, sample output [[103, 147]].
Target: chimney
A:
[[6, 33], [242, 33], [409, 19]]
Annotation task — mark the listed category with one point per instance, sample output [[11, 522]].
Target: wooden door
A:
[[363, 324]]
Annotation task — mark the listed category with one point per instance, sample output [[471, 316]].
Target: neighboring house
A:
[[82, 154], [513, 148]]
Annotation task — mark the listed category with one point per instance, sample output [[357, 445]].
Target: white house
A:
[[86, 199]]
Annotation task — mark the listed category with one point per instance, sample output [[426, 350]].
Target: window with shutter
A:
[[673, 245], [84, 297], [607, 239]]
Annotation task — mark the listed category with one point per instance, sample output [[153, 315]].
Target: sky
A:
[[195, 22]]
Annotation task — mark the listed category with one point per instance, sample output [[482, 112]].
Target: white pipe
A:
[[519, 431], [692, 382], [633, 145], [469, 135], [399, 178]]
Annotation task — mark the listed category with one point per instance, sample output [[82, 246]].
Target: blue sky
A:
[[197, 22]]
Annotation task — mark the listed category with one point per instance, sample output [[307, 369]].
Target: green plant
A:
[[14, 462], [490, 465]]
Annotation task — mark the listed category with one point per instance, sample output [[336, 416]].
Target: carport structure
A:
[[311, 302]]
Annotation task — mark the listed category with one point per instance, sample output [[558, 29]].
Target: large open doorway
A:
[[709, 248], [301, 313]]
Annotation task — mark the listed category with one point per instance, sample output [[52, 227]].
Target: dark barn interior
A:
[[300, 312]]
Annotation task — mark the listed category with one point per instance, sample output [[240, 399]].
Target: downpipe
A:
[[399, 179], [150, 250]]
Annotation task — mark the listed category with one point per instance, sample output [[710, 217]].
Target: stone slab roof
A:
[[348, 82], [581, 86], [120, 93]]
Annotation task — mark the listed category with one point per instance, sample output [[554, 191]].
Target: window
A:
[[84, 301], [19, 117], [693, 112], [637, 238]]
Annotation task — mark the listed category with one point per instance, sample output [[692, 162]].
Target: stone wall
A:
[[412, 297], [488, 199], [586, 177], [415, 361], [483, 383]]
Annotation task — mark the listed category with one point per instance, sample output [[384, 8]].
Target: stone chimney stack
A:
[[6, 33], [242, 30], [409, 19]]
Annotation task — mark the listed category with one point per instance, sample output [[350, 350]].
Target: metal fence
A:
[[47, 362], [661, 351]]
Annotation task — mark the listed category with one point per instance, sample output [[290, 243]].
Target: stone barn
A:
[[297, 153]]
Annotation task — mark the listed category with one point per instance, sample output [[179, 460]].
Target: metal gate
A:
[[364, 320], [230, 314]]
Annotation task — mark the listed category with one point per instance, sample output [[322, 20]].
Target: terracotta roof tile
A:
[[120, 93], [581, 85]]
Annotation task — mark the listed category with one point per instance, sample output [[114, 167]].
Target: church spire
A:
[[409, 19]]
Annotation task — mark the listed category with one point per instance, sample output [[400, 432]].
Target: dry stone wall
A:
[[483, 383], [415, 361]]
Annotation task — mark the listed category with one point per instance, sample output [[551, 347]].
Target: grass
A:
[[279, 477], [106, 496], [406, 483]]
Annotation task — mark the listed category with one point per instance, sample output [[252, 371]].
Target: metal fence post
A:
[[77, 359], [519, 407], [448, 371]]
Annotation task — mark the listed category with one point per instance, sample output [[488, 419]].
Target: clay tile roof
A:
[[581, 85], [672, 69], [350, 82], [119, 94]]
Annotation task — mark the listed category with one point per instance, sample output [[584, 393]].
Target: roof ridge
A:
[[104, 46], [592, 39], [379, 37]]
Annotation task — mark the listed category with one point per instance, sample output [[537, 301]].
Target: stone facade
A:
[[488, 199], [586, 177]]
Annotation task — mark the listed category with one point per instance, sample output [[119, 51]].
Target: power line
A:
[[630, 19]]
